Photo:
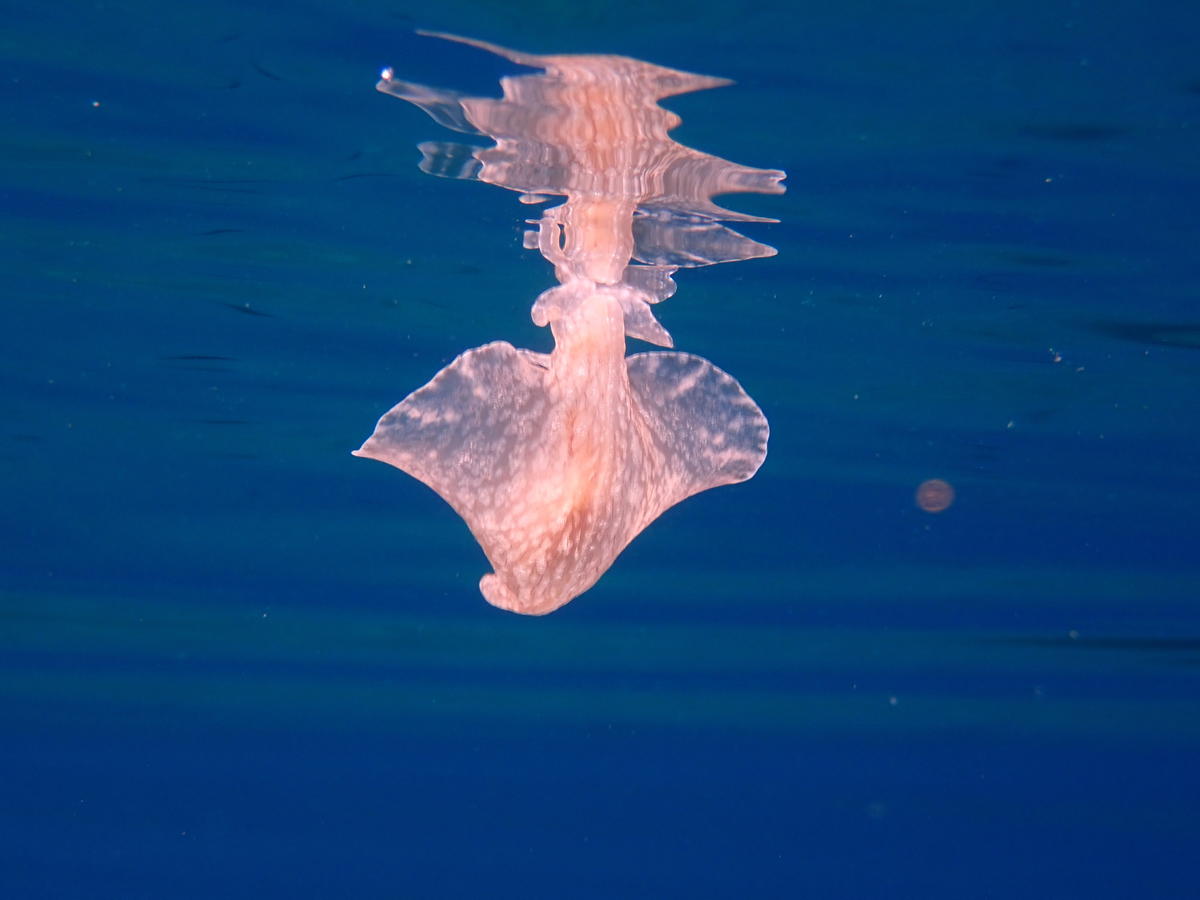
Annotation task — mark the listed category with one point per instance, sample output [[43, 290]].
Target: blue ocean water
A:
[[235, 661]]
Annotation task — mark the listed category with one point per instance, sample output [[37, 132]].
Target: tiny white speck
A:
[[386, 74]]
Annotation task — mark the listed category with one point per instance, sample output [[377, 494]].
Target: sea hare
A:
[[557, 461]]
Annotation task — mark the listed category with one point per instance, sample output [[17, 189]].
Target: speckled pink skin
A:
[[556, 462]]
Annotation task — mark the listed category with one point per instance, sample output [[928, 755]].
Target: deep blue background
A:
[[234, 661]]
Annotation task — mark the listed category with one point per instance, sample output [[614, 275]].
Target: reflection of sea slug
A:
[[556, 462]]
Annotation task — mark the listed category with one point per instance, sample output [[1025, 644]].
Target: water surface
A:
[[238, 661]]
